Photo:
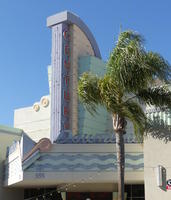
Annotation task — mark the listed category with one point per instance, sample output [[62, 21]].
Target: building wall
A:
[[6, 138], [156, 152], [35, 120]]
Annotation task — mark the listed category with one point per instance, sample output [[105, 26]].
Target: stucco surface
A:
[[35, 124], [156, 152]]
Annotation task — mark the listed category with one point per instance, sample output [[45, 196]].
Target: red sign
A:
[[168, 186]]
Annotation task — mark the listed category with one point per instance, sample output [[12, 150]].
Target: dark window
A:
[[135, 192]]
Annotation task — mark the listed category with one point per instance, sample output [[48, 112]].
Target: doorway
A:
[[89, 196]]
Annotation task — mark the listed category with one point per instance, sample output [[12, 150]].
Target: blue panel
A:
[[60, 81], [56, 81]]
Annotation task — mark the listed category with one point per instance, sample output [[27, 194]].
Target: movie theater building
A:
[[57, 146]]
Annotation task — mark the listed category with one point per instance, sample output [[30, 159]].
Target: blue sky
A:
[[25, 41]]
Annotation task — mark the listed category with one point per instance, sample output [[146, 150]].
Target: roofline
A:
[[11, 130], [71, 18]]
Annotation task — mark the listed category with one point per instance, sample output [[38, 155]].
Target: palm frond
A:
[[133, 67], [157, 96], [111, 94], [126, 36], [88, 91], [159, 67], [158, 129], [134, 112], [127, 62]]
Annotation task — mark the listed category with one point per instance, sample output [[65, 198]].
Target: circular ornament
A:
[[36, 107], [44, 102]]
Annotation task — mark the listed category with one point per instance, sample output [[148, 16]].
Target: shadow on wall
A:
[[158, 129]]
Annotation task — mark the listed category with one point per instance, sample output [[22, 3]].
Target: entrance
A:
[[89, 196], [132, 192]]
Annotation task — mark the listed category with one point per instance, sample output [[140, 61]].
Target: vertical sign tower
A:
[[60, 80], [71, 38]]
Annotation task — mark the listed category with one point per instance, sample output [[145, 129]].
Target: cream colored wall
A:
[[156, 152], [80, 46], [7, 193], [35, 120]]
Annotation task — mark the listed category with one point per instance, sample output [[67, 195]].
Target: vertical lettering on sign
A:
[[60, 81], [66, 69]]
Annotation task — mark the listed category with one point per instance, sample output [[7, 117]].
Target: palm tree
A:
[[131, 73]]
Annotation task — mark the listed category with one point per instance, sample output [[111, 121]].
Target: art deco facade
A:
[[59, 146]]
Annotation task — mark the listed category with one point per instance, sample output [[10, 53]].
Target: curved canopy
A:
[[71, 18]]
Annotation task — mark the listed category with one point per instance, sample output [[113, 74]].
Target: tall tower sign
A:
[[71, 38]]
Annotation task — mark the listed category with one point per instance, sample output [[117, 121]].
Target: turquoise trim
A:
[[10, 130]]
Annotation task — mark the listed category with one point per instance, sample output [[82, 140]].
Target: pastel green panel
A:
[[101, 122]]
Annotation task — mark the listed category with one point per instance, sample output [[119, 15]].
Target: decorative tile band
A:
[[70, 162]]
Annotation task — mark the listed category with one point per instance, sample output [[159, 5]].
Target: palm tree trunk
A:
[[119, 124], [120, 164]]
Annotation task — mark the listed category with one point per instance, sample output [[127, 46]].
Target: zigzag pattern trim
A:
[[77, 161], [82, 167], [85, 162], [87, 156]]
